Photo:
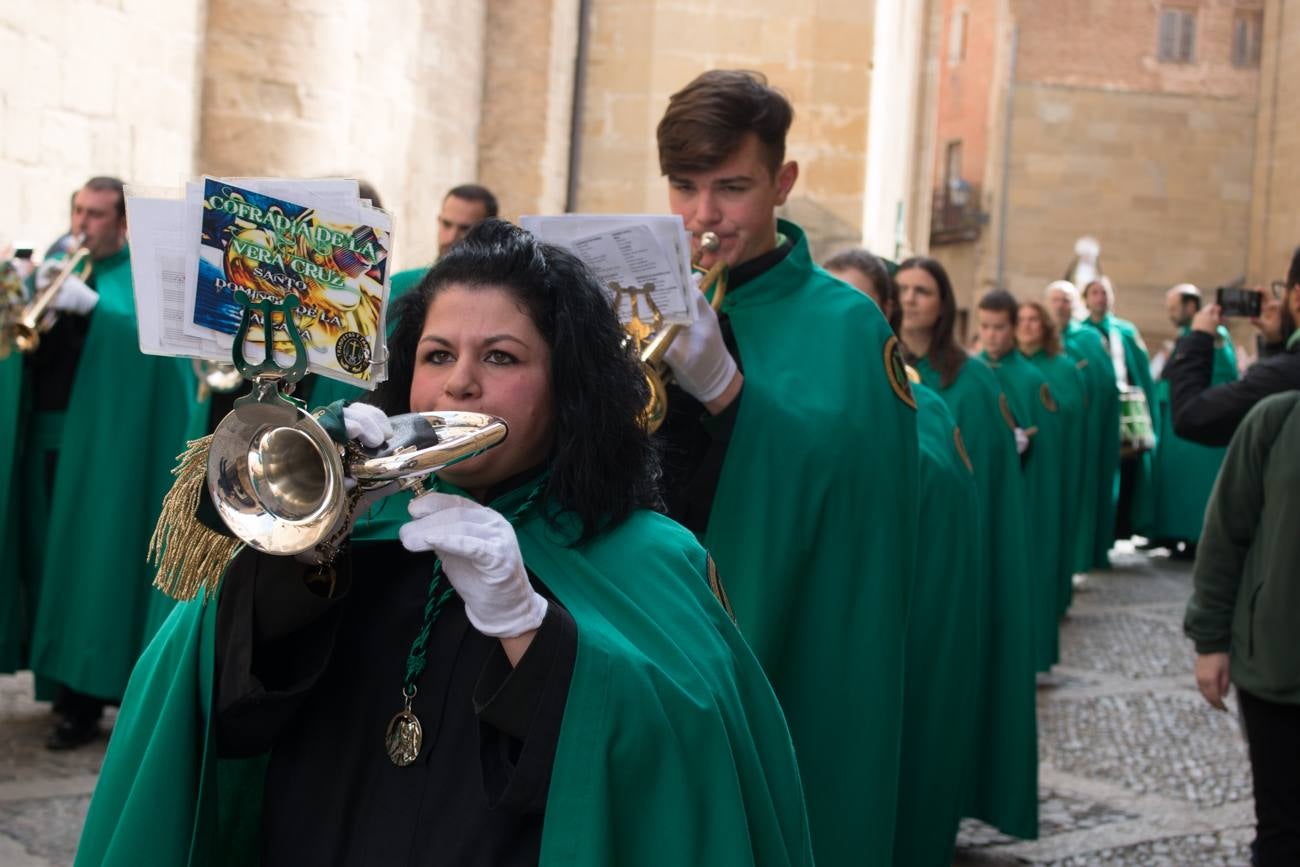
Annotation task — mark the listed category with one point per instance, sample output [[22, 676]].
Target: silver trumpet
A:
[[277, 479]]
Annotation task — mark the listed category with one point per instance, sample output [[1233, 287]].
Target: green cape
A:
[[15, 613], [1138, 363], [1099, 459], [96, 607], [814, 526], [1066, 383], [1005, 786], [673, 749], [944, 642], [1034, 407], [1185, 471]]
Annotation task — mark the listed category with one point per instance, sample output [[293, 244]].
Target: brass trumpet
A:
[[653, 338], [24, 332], [277, 478]]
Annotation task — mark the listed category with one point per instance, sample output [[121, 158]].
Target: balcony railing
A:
[[956, 216]]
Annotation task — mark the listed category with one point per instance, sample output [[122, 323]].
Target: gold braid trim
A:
[[189, 556]]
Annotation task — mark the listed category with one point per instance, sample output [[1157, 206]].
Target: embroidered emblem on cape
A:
[[719, 592], [961, 448], [1006, 411], [896, 372], [1081, 363], [1045, 395]]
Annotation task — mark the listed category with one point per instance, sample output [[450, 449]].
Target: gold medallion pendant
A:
[[404, 737]]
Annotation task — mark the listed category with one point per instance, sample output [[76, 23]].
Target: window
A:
[[952, 164], [957, 37], [1177, 35], [1246, 27]]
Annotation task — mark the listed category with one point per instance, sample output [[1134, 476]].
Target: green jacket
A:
[[673, 749], [1246, 582]]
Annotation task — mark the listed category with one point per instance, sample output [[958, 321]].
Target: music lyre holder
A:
[[267, 376]]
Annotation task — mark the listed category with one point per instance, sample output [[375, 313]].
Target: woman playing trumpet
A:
[[582, 697]]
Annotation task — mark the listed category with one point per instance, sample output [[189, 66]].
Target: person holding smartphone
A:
[[1209, 414]]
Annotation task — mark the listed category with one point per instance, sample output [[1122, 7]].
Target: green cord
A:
[[416, 659]]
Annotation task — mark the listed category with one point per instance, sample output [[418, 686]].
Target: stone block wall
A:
[[1163, 182], [388, 90], [818, 53], [89, 89], [1275, 218]]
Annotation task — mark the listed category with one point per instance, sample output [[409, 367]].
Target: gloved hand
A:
[[699, 357], [1022, 441], [74, 296], [481, 558], [367, 423]]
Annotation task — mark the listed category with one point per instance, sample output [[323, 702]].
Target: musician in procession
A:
[[946, 635], [790, 449], [1099, 460], [96, 427], [1006, 776], [1134, 487], [1040, 345], [583, 694], [1184, 471]]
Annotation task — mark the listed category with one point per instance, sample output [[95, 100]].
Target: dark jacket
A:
[[1246, 582], [1210, 415]]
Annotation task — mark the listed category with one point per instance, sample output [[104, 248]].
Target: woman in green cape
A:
[[946, 641], [1005, 784], [1099, 459], [1039, 343], [582, 696]]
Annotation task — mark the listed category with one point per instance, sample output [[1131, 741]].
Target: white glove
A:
[[481, 558], [74, 296], [1022, 441], [367, 423], [699, 357]]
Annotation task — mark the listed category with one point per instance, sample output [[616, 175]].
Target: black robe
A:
[[316, 680]]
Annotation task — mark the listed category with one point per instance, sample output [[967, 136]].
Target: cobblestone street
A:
[[1136, 769]]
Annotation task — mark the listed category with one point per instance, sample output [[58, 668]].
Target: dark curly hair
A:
[[946, 355], [603, 464]]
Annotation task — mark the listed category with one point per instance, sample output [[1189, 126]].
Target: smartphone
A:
[[1238, 302], [23, 252]]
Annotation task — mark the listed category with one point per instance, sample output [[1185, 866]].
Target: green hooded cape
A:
[[95, 606], [673, 749], [944, 642], [1034, 408], [1066, 382], [1099, 459], [1185, 471], [1005, 786], [1138, 365], [814, 526]]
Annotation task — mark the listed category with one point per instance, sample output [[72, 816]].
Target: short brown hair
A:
[[1051, 337], [708, 119]]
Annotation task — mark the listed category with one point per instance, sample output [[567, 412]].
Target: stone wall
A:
[[389, 90], [1275, 218], [817, 52], [1162, 181], [92, 89]]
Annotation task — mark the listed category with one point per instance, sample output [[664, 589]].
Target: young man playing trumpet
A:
[[790, 448]]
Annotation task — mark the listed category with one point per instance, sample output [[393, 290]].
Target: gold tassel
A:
[[188, 555]]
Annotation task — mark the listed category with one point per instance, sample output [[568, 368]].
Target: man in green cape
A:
[[1134, 496], [1184, 471], [1038, 429], [1099, 458], [790, 447], [98, 427], [672, 749]]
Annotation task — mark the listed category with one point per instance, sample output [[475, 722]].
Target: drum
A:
[[1136, 432]]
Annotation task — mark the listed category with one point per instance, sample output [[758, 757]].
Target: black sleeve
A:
[[1209, 415], [275, 634], [520, 710]]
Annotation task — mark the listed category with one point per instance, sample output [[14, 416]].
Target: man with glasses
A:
[[1209, 414]]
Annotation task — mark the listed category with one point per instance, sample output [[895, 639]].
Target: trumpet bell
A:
[[277, 478]]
